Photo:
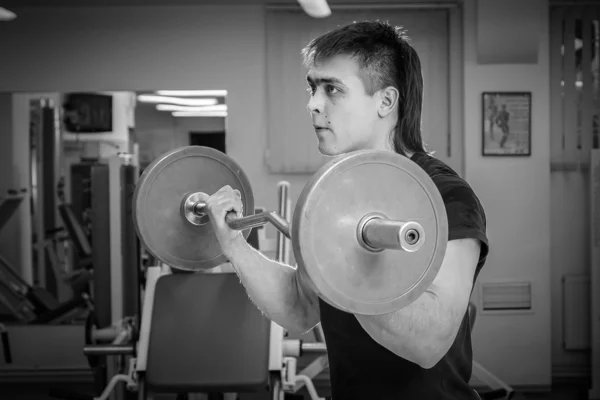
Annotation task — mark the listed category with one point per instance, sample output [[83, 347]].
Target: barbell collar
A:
[[297, 348], [319, 348], [375, 232]]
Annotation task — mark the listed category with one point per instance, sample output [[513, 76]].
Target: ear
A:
[[388, 99]]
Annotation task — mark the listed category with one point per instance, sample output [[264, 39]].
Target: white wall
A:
[[516, 195]]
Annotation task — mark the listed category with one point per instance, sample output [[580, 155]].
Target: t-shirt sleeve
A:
[[466, 217]]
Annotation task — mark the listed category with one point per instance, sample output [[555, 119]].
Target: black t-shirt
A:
[[361, 368]]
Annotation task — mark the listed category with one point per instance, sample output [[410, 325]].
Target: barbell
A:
[[369, 227]]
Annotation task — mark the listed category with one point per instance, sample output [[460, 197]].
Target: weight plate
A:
[[324, 231], [158, 218]]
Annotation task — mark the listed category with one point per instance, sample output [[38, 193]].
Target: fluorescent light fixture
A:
[[315, 8], [6, 15], [192, 93], [199, 113], [148, 98], [173, 107]]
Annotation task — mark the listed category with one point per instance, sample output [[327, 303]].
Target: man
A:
[[366, 91], [502, 119]]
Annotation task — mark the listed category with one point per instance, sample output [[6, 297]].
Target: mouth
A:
[[320, 128]]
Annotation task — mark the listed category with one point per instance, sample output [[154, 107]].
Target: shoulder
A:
[[451, 186], [466, 215]]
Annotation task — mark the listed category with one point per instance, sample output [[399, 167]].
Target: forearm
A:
[[422, 332], [278, 290]]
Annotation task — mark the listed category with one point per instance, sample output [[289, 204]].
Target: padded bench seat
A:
[[206, 336]]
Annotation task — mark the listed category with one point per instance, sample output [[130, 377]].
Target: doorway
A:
[[215, 140]]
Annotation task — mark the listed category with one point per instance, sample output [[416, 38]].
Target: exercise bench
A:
[[206, 337]]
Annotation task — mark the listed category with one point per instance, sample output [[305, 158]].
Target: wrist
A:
[[233, 247]]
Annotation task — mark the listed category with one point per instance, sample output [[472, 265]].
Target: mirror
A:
[[76, 157], [165, 120]]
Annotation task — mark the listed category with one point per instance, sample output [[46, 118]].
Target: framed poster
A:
[[506, 124]]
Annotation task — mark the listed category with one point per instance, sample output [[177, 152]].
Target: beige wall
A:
[[223, 48]]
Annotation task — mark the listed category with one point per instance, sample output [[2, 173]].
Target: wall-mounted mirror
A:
[[69, 254], [69, 153]]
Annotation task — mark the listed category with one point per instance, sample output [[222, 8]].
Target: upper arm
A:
[[467, 247], [455, 277]]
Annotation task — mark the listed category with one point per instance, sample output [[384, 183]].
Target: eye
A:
[[331, 89], [310, 89]]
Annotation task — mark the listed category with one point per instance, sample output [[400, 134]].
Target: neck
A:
[[384, 142]]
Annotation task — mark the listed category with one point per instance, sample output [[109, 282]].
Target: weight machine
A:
[[34, 305], [200, 333]]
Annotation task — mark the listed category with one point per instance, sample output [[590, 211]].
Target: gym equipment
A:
[[34, 305], [16, 295], [45, 145], [223, 343], [91, 208], [499, 389], [284, 353], [369, 228], [165, 193], [104, 189]]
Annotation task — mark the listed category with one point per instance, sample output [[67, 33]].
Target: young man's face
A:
[[344, 115]]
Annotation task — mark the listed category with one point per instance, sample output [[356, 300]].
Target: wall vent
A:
[[506, 296]]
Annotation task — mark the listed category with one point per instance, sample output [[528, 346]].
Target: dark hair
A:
[[386, 59]]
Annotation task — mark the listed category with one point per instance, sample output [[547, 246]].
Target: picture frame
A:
[[506, 124]]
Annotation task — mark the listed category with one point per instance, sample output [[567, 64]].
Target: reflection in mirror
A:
[[169, 119], [68, 249]]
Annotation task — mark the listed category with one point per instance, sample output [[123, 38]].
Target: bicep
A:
[[454, 281], [458, 266]]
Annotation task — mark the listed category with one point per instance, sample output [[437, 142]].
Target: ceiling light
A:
[[315, 8], [187, 93], [6, 15], [148, 98], [173, 107], [199, 114]]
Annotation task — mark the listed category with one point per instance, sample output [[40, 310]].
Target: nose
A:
[[315, 104]]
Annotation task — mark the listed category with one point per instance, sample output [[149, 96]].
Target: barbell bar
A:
[[290, 348], [369, 227], [108, 350], [195, 212], [374, 232]]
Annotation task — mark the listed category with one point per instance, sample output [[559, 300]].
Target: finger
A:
[[225, 205], [225, 189], [238, 193]]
